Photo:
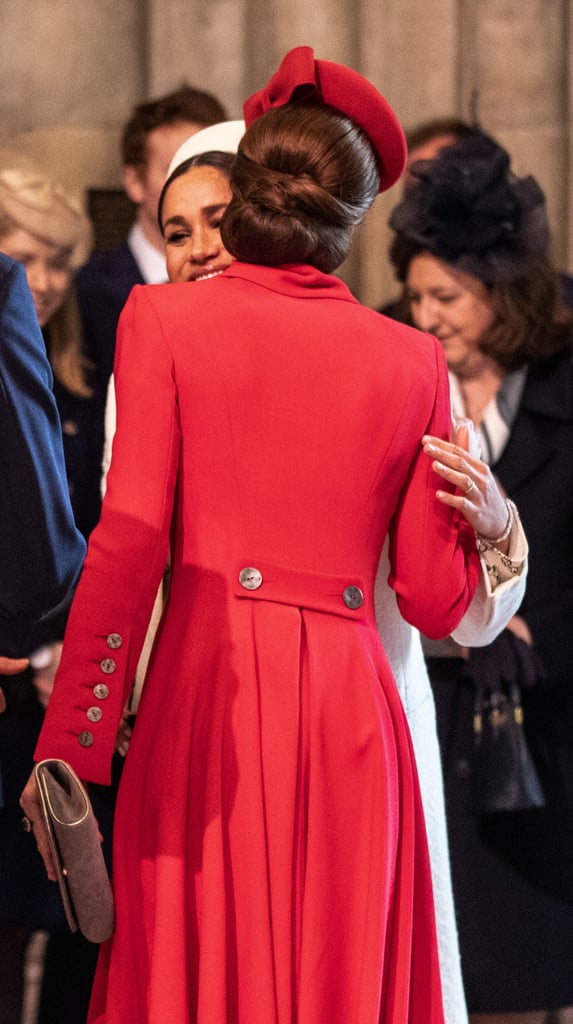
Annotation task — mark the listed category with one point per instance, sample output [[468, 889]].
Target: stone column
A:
[[409, 51], [70, 71], [331, 27], [516, 61], [201, 43]]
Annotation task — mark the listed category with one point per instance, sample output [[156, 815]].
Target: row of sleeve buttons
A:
[[100, 690]]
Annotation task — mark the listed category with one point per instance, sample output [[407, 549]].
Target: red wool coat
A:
[[270, 861]]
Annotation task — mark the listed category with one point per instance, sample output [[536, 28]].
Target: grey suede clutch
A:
[[76, 848]]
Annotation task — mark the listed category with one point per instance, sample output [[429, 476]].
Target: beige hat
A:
[[39, 205]]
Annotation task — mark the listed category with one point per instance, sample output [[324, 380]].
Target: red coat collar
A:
[[297, 279]]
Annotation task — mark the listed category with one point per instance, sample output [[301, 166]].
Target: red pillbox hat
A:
[[300, 78]]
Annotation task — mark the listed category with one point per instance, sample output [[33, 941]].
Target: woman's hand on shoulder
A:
[[478, 496]]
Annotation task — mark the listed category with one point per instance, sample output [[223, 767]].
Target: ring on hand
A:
[[27, 825], [472, 486]]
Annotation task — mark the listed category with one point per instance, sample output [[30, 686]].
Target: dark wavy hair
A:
[[531, 320], [212, 158], [469, 210], [304, 177]]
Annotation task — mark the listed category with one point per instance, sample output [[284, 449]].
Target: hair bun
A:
[[303, 178], [271, 190]]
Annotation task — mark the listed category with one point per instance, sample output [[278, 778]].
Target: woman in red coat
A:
[[270, 858]]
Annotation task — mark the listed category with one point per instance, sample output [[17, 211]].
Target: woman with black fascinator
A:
[[471, 246]]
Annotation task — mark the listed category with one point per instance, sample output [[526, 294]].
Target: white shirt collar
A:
[[150, 260], [498, 416]]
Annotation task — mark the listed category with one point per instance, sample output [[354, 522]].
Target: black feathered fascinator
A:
[[467, 208]]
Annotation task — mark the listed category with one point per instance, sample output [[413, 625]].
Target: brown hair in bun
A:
[[303, 179]]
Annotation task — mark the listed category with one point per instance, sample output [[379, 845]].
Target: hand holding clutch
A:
[[74, 847]]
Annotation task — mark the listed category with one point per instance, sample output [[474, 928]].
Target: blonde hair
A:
[[33, 202], [67, 359]]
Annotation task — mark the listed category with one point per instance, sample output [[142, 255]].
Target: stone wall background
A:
[[71, 70]]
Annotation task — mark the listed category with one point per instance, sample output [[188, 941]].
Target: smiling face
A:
[[47, 266], [453, 306], [193, 206]]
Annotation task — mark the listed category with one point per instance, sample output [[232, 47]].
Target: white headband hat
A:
[[223, 137]]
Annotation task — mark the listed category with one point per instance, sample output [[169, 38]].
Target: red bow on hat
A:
[[301, 78], [297, 73]]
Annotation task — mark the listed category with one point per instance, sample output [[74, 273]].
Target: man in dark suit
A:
[[150, 139], [41, 551]]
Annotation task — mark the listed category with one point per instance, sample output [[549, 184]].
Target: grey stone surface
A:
[[71, 70]]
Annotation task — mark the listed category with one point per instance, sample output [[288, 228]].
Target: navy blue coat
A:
[[102, 288], [41, 550]]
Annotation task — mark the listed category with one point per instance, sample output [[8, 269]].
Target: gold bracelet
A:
[[493, 541], [513, 568]]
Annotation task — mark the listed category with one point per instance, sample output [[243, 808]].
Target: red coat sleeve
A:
[[127, 554], [433, 554]]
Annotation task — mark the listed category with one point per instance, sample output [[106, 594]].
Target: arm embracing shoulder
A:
[[127, 551], [433, 554]]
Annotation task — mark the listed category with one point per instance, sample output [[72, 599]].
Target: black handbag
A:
[[503, 773]]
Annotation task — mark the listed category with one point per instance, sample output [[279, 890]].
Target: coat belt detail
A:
[[337, 595]]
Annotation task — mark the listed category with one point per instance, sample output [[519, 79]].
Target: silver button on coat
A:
[[250, 578], [353, 597]]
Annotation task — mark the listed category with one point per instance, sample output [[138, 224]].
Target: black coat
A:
[[82, 422], [513, 871], [103, 286], [536, 470]]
